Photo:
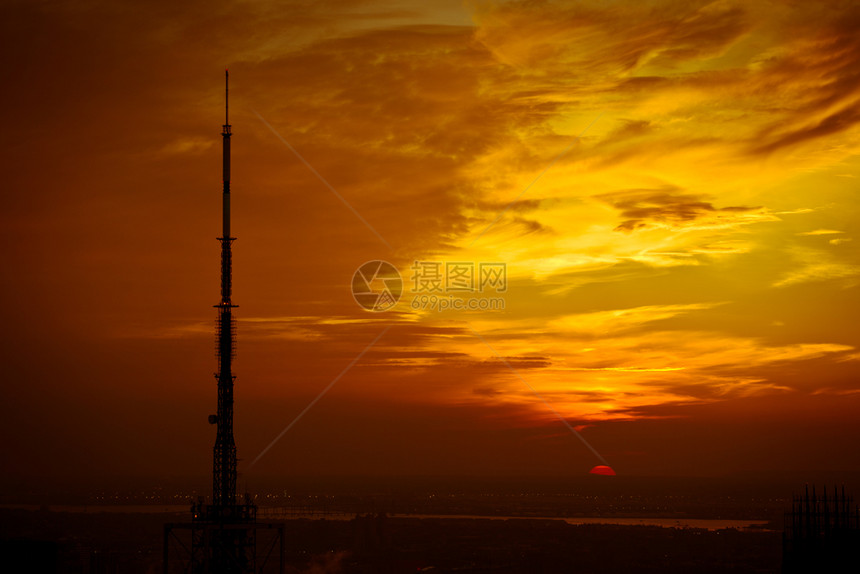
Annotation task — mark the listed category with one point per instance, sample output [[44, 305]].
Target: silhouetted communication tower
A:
[[224, 533]]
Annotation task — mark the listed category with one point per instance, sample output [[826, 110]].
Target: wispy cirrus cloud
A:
[[821, 232], [816, 265]]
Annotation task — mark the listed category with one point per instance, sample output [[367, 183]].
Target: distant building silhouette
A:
[[104, 562], [821, 533], [370, 534]]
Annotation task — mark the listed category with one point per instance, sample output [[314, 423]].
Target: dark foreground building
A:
[[822, 533]]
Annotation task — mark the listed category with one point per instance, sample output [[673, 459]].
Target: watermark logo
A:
[[435, 286], [459, 276], [377, 286]]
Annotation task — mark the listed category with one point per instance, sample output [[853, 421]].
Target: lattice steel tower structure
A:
[[224, 459], [224, 533], [229, 547]]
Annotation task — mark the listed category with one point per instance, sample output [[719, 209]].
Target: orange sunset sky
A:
[[681, 250]]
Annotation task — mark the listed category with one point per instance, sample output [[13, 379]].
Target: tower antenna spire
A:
[[224, 471], [224, 532]]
